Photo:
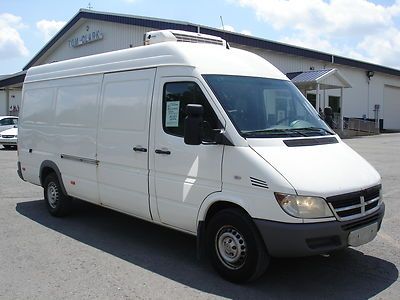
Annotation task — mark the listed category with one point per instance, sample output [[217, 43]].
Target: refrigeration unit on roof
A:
[[160, 36]]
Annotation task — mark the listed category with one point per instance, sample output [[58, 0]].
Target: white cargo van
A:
[[191, 134]]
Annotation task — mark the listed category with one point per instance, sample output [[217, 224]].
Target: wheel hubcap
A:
[[52, 194], [231, 247]]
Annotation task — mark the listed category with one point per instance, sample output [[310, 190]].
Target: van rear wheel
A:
[[58, 204], [234, 246]]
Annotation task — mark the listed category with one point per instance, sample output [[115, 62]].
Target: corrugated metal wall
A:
[[115, 37]]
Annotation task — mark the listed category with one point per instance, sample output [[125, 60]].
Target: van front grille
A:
[[355, 205]]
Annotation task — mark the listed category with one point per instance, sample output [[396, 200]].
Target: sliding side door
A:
[[122, 148]]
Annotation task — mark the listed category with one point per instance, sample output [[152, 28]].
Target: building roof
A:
[[229, 36], [16, 78], [326, 78]]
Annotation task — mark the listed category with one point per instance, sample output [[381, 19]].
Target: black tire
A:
[[225, 231], [58, 204]]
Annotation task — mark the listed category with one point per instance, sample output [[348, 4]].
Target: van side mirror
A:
[[193, 124]]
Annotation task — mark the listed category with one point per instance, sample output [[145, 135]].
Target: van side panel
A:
[[35, 122], [123, 139], [76, 117], [59, 119]]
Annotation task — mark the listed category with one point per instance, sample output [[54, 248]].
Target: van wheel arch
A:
[[220, 205], [46, 168], [202, 225]]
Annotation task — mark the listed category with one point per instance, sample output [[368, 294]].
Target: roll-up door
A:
[[391, 108]]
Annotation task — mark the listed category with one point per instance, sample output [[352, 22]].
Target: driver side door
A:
[[184, 175]]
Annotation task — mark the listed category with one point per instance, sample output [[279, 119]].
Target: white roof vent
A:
[[160, 36]]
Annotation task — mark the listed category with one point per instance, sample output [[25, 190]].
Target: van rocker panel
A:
[[307, 239]]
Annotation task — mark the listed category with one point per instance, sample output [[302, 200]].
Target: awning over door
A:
[[326, 78], [316, 80]]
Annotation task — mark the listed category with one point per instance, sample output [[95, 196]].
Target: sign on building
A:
[[85, 38]]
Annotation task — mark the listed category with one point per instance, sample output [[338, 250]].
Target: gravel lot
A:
[[98, 253]]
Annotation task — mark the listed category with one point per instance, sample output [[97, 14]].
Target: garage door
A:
[[391, 108]]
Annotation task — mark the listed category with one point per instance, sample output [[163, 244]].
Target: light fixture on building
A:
[[370, 74]]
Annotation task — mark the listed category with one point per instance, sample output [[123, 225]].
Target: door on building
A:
[[312, 98], [123, 139], [391, 108], [334, 103], [184, 175]]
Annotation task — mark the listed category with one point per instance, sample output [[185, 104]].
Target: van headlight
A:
[[304, 207]]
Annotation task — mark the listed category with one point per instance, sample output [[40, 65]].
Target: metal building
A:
[[354, 89]]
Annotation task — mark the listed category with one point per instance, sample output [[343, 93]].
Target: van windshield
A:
[[263, 107]]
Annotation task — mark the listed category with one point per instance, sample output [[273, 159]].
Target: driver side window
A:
[[175, 98]]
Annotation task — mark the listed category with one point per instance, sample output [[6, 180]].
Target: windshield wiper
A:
[[315, 129], [286, 131]]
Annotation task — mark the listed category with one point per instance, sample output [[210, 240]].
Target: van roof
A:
[[206, 58]]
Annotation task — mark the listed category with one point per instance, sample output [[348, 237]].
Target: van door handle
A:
[[158, 151], [139, 149]]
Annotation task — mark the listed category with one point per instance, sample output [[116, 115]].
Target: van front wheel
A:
[[58, 204], [234, 246]]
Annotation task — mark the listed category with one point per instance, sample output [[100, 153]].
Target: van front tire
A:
[[58, 204], [235, 247]]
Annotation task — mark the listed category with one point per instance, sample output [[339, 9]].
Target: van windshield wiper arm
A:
[[315, 129], [272, 131]]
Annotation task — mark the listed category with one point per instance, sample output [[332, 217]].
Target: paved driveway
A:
[[97, 253]]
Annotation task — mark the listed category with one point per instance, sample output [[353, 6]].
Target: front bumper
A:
[[305, 239], [8, 141]]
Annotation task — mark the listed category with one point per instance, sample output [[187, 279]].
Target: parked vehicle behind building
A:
[[203, 138]]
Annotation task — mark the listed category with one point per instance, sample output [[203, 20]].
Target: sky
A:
[[367, 30]]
